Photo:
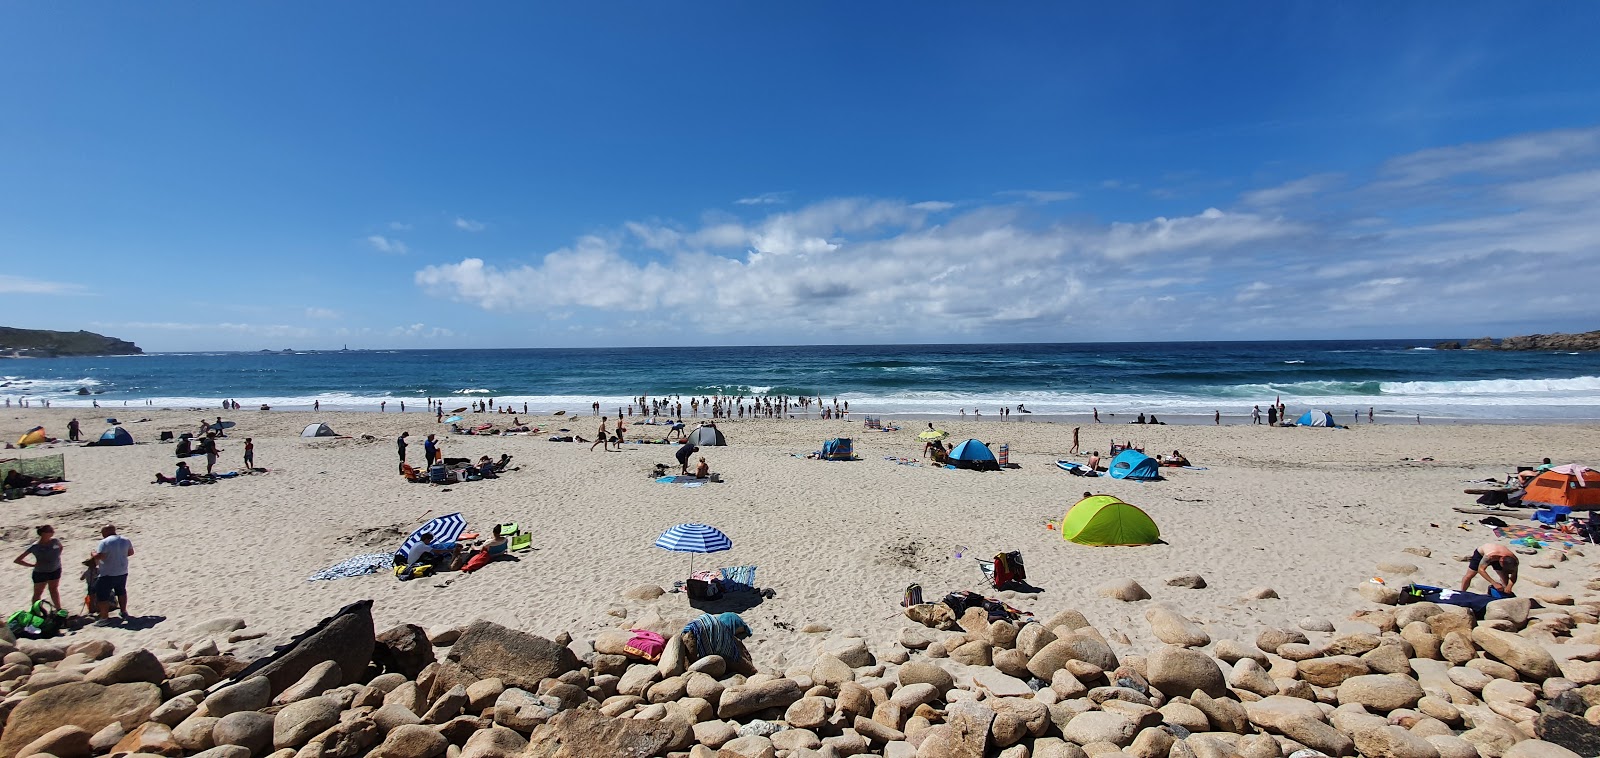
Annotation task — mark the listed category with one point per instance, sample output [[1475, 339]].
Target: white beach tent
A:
[[318, 430]]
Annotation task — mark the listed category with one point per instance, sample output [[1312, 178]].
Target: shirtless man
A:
[[603, 437], [1496, 556]]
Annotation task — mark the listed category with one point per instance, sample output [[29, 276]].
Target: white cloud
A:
[[321, 313], [390, 245], [1383, 257], [399, 226], [765, 198], [469, 225], [415, 331], [1292, 190], [22, 285], [1040, 196], [1508, 155]]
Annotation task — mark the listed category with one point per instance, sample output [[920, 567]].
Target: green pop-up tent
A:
[[1104, 520]]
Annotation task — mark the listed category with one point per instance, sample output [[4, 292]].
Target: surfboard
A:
[[462, 409], [1068, 465], [560, 413], [452, 419], [224, 425]]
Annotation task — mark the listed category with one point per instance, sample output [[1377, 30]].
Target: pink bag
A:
[[645, 644]]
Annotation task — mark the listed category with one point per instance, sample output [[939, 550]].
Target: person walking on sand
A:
[[46, 564], [602, 437], [1096, 415], [1255, 415], [1369, 414], [400, 445], [316, 405], [1074, 450], [249, 453], [1216, 418], [111, 560], [72, 435], [621, 428]]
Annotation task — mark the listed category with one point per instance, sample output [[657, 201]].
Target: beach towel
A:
[[1519, 533], [360, 565], [739, 578], [718, 635], [683, 479], [645, 644]]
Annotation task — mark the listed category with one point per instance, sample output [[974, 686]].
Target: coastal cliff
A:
[[42, 343], [1584, 341]]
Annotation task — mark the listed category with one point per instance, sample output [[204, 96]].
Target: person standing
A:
[[1369, 414], [430, 450], [383, 406], [1074, 450], [316, 405], [208, 445], [400, 443], [438, 416], [603, 437], [1216, 418], [1272, 415], [111, 559], [1255, 415], [72, 435], [1096, 415], [46, 564], [249, 453]]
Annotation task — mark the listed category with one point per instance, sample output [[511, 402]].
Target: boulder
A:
[[61, 742], [965, 733], [1172, 627], [1270, 639], [1248, 675], [488, 650], [1380, 692], [1529, 658], [851, 650], [150, 738], [521, 710], [1538, 749], [997, 684], [133, 666], [1381, 594], [1126, 590], [1187, 581], [1332, 671], [245, 728], [494, 742], [584, 733], [86, 705], [1574, 733], [298, 722], [411, 741], [345, 638], [350, 739], [252, 694], [193, 733], [321, 678], [1180, 670], [403, 649], [1224, 714], [1299, 720], [1393, 742], [926, 672], [1072, 646], [1101, 726], [748, 746], [744, 699]]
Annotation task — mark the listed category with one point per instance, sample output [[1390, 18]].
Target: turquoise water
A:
[[1175, 379]]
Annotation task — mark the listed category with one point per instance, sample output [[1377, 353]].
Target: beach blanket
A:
[[739, 577], [681, 479], [1518, 532], [360, 565], [718, 635]]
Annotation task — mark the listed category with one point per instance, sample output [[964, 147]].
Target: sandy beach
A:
[[1308, 513]]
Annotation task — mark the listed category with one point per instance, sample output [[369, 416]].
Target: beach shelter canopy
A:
[[694, 538], [1104, 520], [971, 450], [34, 436], [840, 449], [1132, 464], [44, 467], [707, 436], [116, 435], [930, 435], [318, 430], [1574, 486], [445, 530], [1316, 418]]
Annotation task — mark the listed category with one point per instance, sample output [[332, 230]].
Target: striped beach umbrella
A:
[[445, 530], [694, 538]]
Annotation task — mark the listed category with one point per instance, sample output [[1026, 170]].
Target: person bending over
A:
[[1492, 556]]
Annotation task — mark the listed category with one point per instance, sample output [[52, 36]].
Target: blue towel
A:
[[718, 635]]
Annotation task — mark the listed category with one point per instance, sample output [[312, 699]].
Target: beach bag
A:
[[912, 597], [41, 620], [645, 644]]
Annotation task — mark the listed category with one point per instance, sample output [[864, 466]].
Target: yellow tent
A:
[[35, 436]]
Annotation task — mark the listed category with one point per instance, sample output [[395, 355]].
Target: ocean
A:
[[1183, 381]]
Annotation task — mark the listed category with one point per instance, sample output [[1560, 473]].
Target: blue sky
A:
[[252, 175]]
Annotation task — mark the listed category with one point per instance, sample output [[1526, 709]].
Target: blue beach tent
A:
[[1316, 418], [974, 455], [1132, 464], [116, 436]]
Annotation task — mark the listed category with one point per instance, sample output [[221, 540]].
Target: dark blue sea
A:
[[1181, 379]]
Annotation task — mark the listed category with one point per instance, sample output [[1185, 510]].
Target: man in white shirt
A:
[[111, 558]]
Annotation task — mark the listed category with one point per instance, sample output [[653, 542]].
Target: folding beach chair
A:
[[519, 539]]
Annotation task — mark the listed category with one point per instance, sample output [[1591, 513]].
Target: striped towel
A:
[[739, 577], [718, 635], [360, 565]]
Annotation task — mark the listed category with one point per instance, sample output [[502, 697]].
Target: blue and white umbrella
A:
[[445, 530], [694, 538]]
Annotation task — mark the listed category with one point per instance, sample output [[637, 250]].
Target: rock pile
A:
[[1414, 681]]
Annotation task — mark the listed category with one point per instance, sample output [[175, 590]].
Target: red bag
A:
[[477, 561]]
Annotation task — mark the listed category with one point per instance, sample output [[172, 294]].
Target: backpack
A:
[[41, 620], [913, 596], [1008, 569]]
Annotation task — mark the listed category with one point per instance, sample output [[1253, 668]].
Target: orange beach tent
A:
[[1573, 485], [34, 436]]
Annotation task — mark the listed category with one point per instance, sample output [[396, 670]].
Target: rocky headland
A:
[[43, 343], [1583, 341]]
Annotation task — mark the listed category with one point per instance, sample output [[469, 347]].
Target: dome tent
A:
[[1574, 486], [1317, 418], [707, 436], [974, 455], [318, 430], [1132, 464], [116, 435], [1105, 521]]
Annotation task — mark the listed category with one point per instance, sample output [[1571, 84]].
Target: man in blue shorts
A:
[[111, 557]]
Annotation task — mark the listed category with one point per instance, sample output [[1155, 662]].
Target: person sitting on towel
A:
[[1496, 556], [486, 468], [424, 552], [702, 469], [1094, 461]]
